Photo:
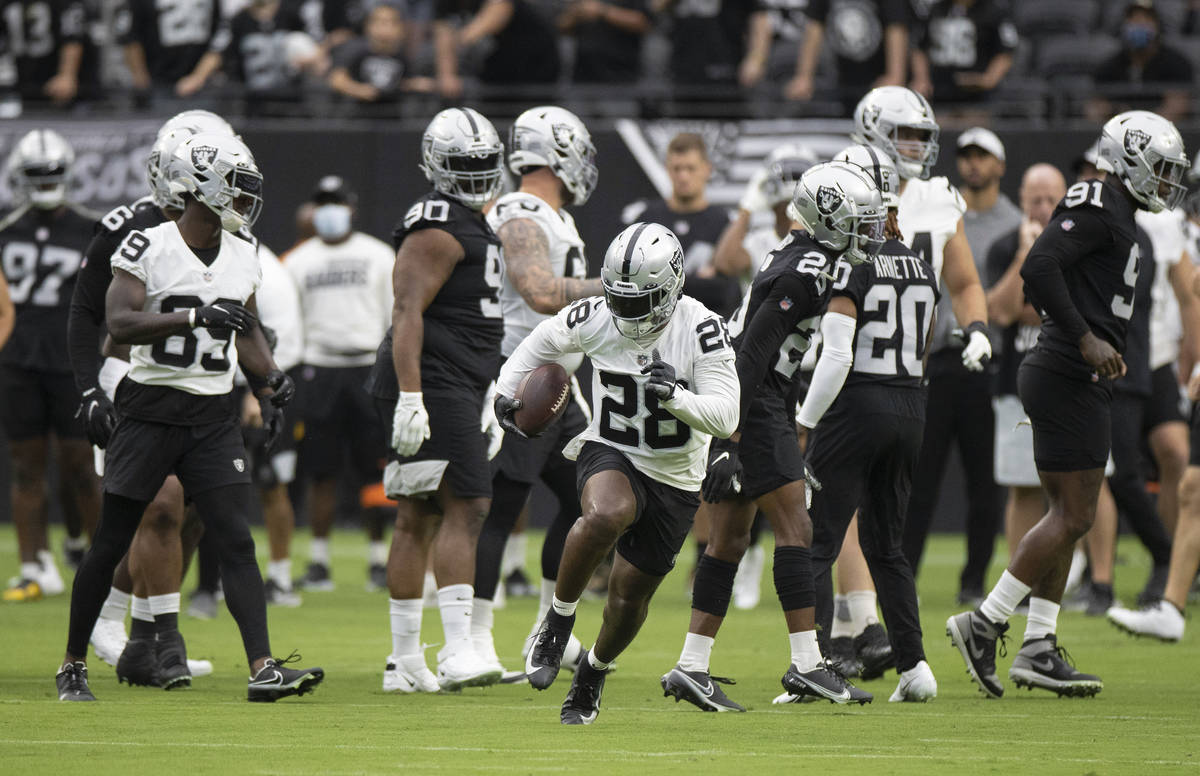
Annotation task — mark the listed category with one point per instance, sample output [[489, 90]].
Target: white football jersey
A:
[[279, 308], [566, 259], [1168, 236], [929, 215], [758, 243], [654, 438], [201, 361]]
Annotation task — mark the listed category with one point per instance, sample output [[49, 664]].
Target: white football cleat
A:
[[1160, 621], [917, 685], [408, 673], [50, 580], [788, 697], [463, 668], [747, 585], [485, 648], [200, 667], [108, 638]]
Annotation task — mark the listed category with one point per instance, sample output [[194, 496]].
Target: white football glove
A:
[[977, 352], [489, 425], [410, 423], [753, 198]]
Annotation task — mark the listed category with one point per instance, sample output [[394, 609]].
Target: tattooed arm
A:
[[527, 265]]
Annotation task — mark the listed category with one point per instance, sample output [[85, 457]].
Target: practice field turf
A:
[[1147, 719]]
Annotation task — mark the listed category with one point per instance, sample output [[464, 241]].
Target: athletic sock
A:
[[596, 662], [142, 625], [1002, 601], [697, 650], [454, 602], [377, 553], [318, 551], [1043, 618], [841, 619], [546, 598], [406, 626], [862, 610], [115, 605], [31, 570], [565, 608], [280, 572], [75, 543], [806, 654], [514, 554], [165, 610], [482, 618]]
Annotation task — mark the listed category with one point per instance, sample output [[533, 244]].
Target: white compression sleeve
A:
[[837, 336]]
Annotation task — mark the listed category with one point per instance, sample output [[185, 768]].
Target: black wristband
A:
[[973, 327]]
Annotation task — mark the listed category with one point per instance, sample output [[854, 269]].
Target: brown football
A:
[[544, 394]]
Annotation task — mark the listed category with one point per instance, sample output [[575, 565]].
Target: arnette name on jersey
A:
[[627, 416], [202, 361]]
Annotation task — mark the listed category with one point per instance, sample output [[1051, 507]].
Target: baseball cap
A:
[[982, 138], [333, 190]]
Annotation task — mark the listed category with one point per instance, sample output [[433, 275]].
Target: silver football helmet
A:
[[879, 166], [462, 156], [38, 169], [173, 132], [549, 136], [878, 119], [642, 277], [220, 173], [784, 166], [840, 205], [1145, 151]]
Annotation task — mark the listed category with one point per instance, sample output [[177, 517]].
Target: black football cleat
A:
[[71, 681], [1043, 663], [844, 657], [699, 689], [138, 664], [274, 680], [874, 651], [975, 638], [545, 657], [173, 671], [582, 705], [824, 681]]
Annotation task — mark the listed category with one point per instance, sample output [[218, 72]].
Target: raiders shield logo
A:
[[828, 200], [562, 135], [1135, 141], [677, 262], [239, 464], [203, 156], [871, 115]]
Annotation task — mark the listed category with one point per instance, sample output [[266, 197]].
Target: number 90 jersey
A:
[[625, 416], [202, 361]]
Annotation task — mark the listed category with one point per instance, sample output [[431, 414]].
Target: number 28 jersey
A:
[[202, 361]]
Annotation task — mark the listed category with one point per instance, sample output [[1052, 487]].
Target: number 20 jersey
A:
[[202, 361]]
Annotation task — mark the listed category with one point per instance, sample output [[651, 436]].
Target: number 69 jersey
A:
[[202, 361], [667, 441]]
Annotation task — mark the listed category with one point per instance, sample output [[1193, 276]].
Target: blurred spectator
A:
[[786, 21], [869, 39], [52, 48], [964, 50], [608, 37], [709, 40], [163, 46], [1145, 73], [374, 67], [525, 46]]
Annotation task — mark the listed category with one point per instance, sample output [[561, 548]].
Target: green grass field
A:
[[1147, 719]]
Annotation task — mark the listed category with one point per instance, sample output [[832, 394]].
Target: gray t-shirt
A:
[[982, 227]]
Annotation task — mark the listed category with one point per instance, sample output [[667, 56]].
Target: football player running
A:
[[840, 217], [181, 293], [665, 383], [544, 270], [1080, 273], [430, 378]]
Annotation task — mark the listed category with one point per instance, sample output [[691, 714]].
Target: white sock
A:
[[841, 619], [862, 610], [482, 618], [163, 604], [1002, 601], [696, 652], [547, 595], [76, 543], [377, 553], [318, 551], [140, 608], [280, 571], [596, 662], [406, 626], [31, 570], [1043, 618], [806, 654], [46, 558], [115, 606], [454, 602], [514, 554]]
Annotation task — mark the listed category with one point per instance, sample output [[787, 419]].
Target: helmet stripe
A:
[[875, 167], [474, 126], [627, 263]]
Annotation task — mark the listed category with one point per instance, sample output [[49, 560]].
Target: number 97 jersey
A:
[[202, 361]]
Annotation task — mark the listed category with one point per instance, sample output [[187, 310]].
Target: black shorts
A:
[[1168, 401], [524, 460], [456, 449], [664, 514], [337, 419], [37, 403], [1072, 419], [769, 450], [1194, 454], [141, 454]]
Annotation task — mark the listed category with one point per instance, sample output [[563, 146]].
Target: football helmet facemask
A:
[[38, 169], [642, 277], [549, 136], [220, 173], [840, 205], [462, 156], [1145, 151], [883, 113]]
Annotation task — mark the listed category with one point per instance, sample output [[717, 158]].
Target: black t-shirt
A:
[[36, 31], [526, 50], [463, 323], [42, 252], [1166, 66], [1081, 273], [708, 39], [174, 34], [608, 54], [958, 39], [895, 296], [254, 50], [383, 71], [786, 18], [854, 31], [346, 14]]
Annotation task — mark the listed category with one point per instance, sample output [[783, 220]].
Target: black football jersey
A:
[[793, 285], [41, 252], [1092, 237], [1137, 341], [896, 295], [463, 324]]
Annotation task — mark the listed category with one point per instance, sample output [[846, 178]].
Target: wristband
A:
[[192, 318], [975, 326]]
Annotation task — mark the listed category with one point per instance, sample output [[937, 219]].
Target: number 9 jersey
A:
[[203, 361]]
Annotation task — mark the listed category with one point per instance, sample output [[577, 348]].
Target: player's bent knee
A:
[[609, 518]]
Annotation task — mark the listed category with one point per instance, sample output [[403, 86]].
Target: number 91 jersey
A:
[[202, 361]]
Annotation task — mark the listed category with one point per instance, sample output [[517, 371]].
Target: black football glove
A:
[[99, 416], [662, 377], [224, 315], [724, 476], [272, 420], [283, 386], [505, 408]]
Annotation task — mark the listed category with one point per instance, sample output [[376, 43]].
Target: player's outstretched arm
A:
[[837, 356], [527, 264], [8, 315]]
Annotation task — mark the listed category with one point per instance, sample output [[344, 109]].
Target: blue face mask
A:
[[1138, 36], [332, 222]]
